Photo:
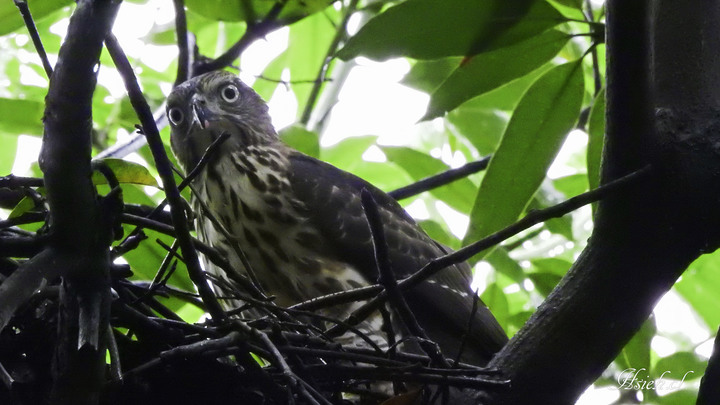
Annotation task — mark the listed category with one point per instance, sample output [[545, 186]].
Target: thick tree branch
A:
[[644, 238], [81, 228]]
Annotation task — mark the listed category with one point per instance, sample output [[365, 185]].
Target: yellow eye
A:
[[175, 115], [230, 93]]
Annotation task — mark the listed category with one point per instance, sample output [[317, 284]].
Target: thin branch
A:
[[115, 366], [210, 253], [440, 179], [204, 159], [253, 33], [32, 30], [235, 245], [418, 376], [377, 295], [164, 170], [389, 282], [184, 64], [13, 182]]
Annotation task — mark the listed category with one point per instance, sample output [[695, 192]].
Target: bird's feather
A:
[[443, 306]]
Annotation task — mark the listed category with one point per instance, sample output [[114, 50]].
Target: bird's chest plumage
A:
[[250, 195]]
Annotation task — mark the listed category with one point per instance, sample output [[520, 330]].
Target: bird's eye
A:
[[175, 115], [230, 93]]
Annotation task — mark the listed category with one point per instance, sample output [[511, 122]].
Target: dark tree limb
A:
[[165, 171], [34, 35], [646, 237], [389, 282], [254, 32], [440, 179], [709, 392], [184, 69], [81, 229], [377, 296]]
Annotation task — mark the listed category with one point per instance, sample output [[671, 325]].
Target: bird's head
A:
[[204, 107]]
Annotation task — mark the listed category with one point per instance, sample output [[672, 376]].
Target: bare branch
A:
[[165, 171]]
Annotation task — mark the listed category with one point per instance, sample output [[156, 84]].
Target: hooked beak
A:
[[200, 114]]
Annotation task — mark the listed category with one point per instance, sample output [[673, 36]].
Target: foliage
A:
[[517, 80]]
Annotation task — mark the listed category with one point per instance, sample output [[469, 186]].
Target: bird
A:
[[300, 221]]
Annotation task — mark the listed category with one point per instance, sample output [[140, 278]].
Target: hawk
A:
[[300, 222]]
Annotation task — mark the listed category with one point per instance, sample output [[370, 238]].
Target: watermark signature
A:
[[638, 379]]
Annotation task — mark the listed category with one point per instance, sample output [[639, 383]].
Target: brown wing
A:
[[443, 305]]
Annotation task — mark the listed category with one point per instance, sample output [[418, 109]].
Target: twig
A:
[[529, 220], [253, 33], [204, 160], [26, 218], [376, 294], [338, 371], [115, 366], [440, 179], [6, 378], [32, 30], [148, 223], [11, 181], [209, 252], [184, 65], [389, 282], [468, 329], [210, 215], [163, 166]]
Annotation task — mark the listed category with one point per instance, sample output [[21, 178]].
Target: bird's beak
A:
[[199, 113]]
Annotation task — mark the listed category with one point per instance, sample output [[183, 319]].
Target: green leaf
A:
[[496, 301], [544, 282], [680, 397], [308, 43], [427, 75], [570, 3], [346, 153], [681, 365], [11, 20], [25, 205], [483, 120], [490, 70], [699, 285], [458, 194], [126, 173], [552, 265], [297, 137], [636, 353], [265, 86], [439, 233], [242, 10], [145, 260], [431, 29], [21, 116], [504, 264], [537, 129], [596, 134], [8, 147]]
